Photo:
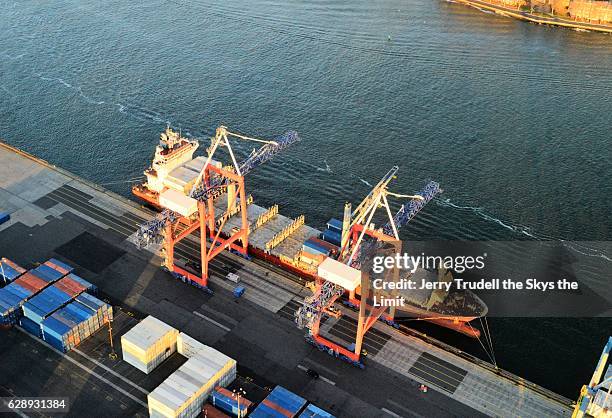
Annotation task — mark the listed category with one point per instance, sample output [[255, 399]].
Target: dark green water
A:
[[512, 119]]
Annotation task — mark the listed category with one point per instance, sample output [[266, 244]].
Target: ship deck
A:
[[56, 214], [258, 237]]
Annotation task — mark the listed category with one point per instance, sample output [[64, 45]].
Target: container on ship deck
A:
[[311, 259], [327, 246], [332, 237], [335, 225]]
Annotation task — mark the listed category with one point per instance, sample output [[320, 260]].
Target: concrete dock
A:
[[56, 214]]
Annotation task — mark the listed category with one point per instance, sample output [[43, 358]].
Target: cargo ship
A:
[[291, 244]]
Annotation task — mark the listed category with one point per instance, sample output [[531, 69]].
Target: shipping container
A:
[[186, 390], [209, 411], [15, 294], [279, 403], [338, 273], [45, 303], [188, 346], [335, 225], [286, 399], [229, 402], [59, 266], [312, 411], [47, 273], [332, 237], [311, 259], [4, 217], [178, 202], [9, 271], [31, 327], [69, 326], [333, 249], [148, 344]]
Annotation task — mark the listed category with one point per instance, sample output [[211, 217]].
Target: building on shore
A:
[[591, 11]]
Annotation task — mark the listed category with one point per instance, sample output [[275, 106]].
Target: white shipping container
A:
[[339, 273], [188, 346], [148, 344], [178, 202], [184, 392]]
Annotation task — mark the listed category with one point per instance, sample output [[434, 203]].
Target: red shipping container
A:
[[277, 408], [209, 411], [14, 266], [56, 267], [70, 286], [31, 282]]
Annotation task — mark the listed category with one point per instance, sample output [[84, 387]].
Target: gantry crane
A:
[[595, 398], [355, 247], [183, 215]]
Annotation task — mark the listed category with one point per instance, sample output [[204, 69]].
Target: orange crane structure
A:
[[185, 214]]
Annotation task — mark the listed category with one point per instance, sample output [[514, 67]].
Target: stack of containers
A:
[[148, 344], [188, 346], [333, 233], [280, 403], [9, 271], [50, 300], [67, 327], [311, 259], [75, 285], [227, 401], [312, 411], [13, 296], [317, 246], [184, 392]]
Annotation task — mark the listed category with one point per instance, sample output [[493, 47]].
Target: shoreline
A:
[[541, 20]]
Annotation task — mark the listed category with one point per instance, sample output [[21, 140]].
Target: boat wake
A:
[[525, 230], [142, 114], [327, 168], [78, 89]]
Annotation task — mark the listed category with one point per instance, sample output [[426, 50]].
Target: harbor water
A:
[[512, 119]]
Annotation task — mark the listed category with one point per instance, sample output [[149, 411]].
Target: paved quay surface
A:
[[55, 214]]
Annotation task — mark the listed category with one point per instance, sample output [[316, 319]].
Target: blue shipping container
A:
[[332, 237], [4, 217], [31, 327], [314, 248], [8, 273], [47, 273], [45, 303], [264, 411], [227, 403], [335, 225], [315, 412], [286, 399]]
